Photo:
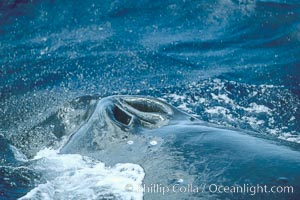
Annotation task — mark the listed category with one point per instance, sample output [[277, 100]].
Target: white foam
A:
[[177, 97], [184, 106], [18, 154], [184, 102], [290, 137], [257, 108], [72, 176], [222, 97], [217, 110], [252, 121]]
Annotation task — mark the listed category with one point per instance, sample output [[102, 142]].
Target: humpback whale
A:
[[189, 157]]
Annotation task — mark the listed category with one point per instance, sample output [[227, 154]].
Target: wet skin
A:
[[173, 147], [186, 150]]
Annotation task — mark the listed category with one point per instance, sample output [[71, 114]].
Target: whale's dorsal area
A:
[[121, 118], [172, 146]]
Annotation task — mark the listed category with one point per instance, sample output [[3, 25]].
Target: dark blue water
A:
[[230, 62]]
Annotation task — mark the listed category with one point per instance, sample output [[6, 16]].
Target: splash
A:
[[73, 176]]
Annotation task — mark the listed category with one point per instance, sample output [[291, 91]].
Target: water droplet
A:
[[180, 180], [153, 142], [130, 142]]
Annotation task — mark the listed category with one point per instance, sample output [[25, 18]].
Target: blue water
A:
[[231, 62]]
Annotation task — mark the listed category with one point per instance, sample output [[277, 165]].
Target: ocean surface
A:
[[235, 63]]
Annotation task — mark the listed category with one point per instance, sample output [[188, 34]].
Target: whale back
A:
[[173, 147]]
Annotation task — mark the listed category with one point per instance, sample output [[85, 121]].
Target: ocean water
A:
[[235, 63]]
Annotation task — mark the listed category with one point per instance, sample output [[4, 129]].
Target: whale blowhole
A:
[[146, 106], [121, 116]]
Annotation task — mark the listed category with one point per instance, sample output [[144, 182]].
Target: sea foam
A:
[[72, 176]]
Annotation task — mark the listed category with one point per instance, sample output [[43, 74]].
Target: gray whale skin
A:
[[176, 148]]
